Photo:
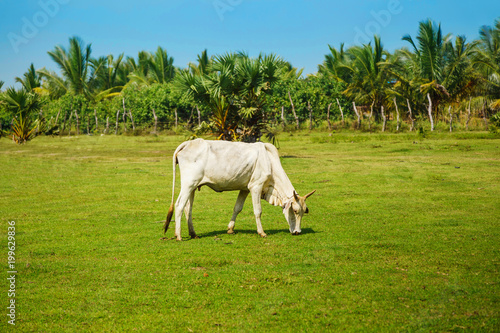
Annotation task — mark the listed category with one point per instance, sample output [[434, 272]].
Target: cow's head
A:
[[294, 209]]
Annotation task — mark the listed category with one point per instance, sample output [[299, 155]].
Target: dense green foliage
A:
[[402, 235], [237, 97]]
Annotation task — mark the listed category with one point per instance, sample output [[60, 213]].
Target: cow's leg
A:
[[188, 211], [257, 210], [237, 209], [180, 204]]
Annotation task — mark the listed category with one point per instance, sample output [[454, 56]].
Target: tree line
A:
[[435, 79]]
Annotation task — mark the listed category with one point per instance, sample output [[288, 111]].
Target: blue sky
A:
[[299, 31]]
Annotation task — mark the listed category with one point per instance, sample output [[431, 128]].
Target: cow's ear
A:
[[296, 196], [309, 194]]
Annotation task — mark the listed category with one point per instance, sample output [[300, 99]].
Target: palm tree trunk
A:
[[397, 114], [106, 131], [430, 111], [293, 110], [411, 117], [328, 117], [199, 115], [341, 112], [384, 118], [176, 118]]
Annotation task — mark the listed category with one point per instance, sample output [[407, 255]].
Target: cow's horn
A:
[[309, 194]]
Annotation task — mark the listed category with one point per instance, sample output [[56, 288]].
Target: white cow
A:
[[234, 166]]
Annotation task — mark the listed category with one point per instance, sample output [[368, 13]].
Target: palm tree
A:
[[75, 65], [361, 69], [203, 66], [332, 65], [108, 78], [233, 86], [24, 106], [31, 79], [428, 63], [487, 60], [138, 69], [152, 68], [367, 79], [459, 76], [161, 66], [52, 84]]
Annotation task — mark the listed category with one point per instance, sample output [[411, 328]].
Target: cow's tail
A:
[[171, 209]]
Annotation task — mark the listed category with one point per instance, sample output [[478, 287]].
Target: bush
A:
[[495, 123]]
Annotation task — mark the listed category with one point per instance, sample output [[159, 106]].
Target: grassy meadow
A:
[[403, 234]]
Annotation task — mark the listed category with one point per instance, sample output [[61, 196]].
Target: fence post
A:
[[341, 112], [357, 114], [156, 119], [116, 127], [384, 118], [293, 110], [77, 123], [451, 117], [328, 117], [310, 115], [95, 115]]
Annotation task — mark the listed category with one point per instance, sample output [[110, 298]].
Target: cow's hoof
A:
[[230, 231], [194, 236], [263, 235], [296, 233], [179, 238]]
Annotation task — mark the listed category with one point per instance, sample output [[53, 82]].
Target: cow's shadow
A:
[[305, 231]]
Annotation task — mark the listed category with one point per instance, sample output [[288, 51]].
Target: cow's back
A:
[[222, 165]]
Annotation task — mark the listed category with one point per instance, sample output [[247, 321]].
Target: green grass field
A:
[[403, 235]]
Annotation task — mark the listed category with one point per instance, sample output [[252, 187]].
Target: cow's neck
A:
[[280, 190], [284, 186]]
